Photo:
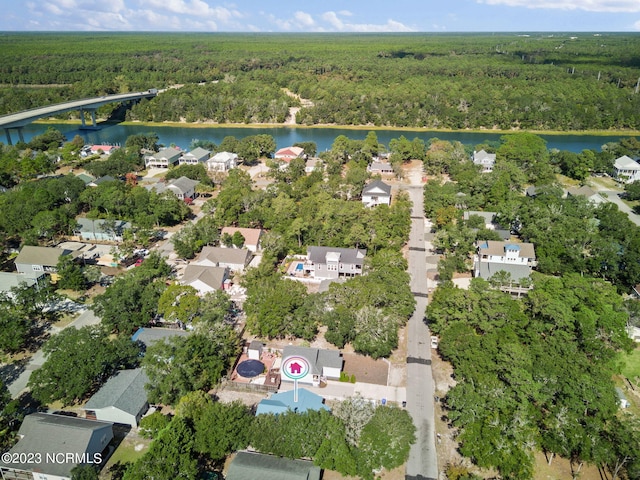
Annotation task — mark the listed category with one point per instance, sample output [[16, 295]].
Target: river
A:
[[285, 136]]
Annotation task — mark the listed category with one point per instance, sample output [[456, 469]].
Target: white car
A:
[[434, 342]]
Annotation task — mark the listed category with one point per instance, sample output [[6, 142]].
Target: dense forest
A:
[[455, 81]]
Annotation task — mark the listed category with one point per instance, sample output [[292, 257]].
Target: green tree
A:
[[171, 455], [385, 440], [70, 272], [78, 362], [179, 303]]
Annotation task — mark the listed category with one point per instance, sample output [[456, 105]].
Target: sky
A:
[[322, 16]]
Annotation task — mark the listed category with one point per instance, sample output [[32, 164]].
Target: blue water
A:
[[299, 267], [285, 136]]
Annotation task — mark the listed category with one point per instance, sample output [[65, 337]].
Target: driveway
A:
[[623, 207]]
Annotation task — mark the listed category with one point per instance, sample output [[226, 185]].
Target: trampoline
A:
[[250, 368]]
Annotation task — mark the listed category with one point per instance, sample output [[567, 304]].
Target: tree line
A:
[[429, 81]]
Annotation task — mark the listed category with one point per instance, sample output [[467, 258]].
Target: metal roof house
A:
[[54, 437], [122, 399], [253, 465], [322, 363], [284, 401]]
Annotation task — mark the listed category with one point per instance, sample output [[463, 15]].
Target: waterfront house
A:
[[627, 169], [165, 158], [222, 162], [195, 157], [289, 153]]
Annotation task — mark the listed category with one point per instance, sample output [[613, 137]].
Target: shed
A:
[[254, 465], [254, 351]]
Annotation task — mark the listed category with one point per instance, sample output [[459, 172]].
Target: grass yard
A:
[[631, 368]]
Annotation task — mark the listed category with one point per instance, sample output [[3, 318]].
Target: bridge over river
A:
[[17, 121]]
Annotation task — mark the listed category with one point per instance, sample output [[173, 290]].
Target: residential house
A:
[[312, 165], [285, 401], [196, 156], [380, 168], [627, 169], [236, 259], [122, 399], [165, 158], [86, 178], [251, 236], [376, 193], [101, 180], [39, 259], [252, 465], [10, 281], [516, 259], [323, 364], [99, 230], [60, 442], [103, 149], [184, 188], [490, 223], [205, 279], [486, 160], [150, 335], [287, 154], [222, 162], [333, 262], [587, 192]]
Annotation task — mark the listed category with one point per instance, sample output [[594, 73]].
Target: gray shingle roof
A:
[[149, 336], [224, 255], [47, 256], [211, 276], [253, 465], [124, 391], [347, 255], [377, 185], [317, 358], [183, 184], [517, 272], [46, 433], [9, 280]]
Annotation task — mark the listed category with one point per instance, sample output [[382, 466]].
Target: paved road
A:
[[18, 384], [423, 462], [614, 198]]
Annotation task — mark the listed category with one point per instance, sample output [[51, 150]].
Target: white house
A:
[[195, 157], [222, 162], [251, 236], [205, 279], [485, 160], [627, 169], [376, 193], [122, 399], [382, 168], [493, 256], [322, 363]]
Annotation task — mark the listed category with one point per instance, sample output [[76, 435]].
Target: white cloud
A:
[[610, 6], [195, 8], [636, 26], [304, 19], [340, 26]]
